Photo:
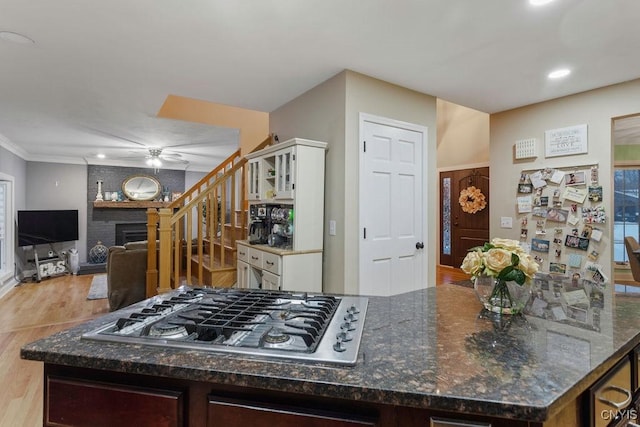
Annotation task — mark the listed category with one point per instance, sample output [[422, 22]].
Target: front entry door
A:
[[391, 207], [460, 230]]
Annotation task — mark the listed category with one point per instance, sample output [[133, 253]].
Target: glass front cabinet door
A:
[[285, 173], [254, 179]]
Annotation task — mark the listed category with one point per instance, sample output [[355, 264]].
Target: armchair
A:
[[126, 274]]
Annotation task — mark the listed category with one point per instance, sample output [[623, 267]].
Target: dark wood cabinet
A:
[[73, 402], [93, 397], [225, 412]]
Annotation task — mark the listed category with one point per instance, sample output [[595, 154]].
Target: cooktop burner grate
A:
[[253, 321]]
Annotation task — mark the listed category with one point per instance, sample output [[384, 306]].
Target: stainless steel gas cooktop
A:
[[263, 324]]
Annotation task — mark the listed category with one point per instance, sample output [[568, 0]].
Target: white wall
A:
[[595, 108]]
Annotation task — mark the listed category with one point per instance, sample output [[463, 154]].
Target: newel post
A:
[[164, 258], [152, 256]]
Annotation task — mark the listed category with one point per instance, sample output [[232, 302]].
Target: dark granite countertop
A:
[[428, 349]]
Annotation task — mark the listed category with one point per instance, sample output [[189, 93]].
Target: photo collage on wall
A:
[[561, 220]]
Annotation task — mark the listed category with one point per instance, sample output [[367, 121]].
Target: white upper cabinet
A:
[[285, 177]]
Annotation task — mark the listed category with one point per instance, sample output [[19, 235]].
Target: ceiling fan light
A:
[[149, 162], [156, 162]]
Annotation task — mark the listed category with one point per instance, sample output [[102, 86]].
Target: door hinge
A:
[[365, 232], [364, 146], [293, 157], [293, 187]]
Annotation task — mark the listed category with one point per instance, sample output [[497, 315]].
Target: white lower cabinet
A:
[[269, 268], [270, 282], [247, 277]]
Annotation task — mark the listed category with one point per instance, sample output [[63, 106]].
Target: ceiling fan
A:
[[155, 158], [174, 140]]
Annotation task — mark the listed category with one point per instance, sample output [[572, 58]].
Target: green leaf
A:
[[512, 274]]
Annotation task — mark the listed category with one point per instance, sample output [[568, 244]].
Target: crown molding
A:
[[10, 146]]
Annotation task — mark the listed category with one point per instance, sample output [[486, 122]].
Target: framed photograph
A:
[[525, 188], [595, 194], [556, 267], [557, 215], [576, 242], [539, 245], [574, 178]]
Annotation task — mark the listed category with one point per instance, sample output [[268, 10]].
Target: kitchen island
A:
[[424, 355]]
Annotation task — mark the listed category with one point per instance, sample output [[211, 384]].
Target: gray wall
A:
[[15, 167], [58, 186]]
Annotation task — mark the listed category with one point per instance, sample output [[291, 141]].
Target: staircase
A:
[[193, 240]]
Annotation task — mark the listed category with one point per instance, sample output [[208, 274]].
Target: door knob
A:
[[419, 245]]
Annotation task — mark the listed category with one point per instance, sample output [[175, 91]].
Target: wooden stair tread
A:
[[206, 259]]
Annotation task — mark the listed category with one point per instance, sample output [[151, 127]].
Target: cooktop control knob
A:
[[347, 326], [350, 317], [353, 309], [339, 346], [344, 336]]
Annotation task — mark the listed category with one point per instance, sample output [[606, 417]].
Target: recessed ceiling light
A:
[[101, 156], [557, 74], [539, 2], [15, 37]]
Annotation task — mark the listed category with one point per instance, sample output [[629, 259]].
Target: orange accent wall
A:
[[253, 125]]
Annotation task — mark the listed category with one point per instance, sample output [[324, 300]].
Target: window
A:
[[626, 209]]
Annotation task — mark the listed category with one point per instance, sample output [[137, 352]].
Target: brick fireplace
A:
[[105, 224]]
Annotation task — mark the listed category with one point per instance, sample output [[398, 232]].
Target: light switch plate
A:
[[526, 148], [506, 222], [332, 227]]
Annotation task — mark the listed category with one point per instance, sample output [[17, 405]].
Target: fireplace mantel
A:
[[130, 204]]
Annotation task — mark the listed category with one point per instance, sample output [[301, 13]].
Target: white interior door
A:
[[391, 207]]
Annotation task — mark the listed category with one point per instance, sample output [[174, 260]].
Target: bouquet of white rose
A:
[[503, 259]]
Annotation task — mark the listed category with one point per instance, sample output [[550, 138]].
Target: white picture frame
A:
[[566, 141]]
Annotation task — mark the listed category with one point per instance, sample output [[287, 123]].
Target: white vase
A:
[[74, 261]]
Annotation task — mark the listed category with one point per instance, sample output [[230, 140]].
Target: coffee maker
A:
[[259, 224]]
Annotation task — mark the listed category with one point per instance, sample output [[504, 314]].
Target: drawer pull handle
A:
[[242, 253], [254, 257], [617, 405], [269, 262]]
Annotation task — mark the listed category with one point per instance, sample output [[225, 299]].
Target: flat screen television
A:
[[47, 226]]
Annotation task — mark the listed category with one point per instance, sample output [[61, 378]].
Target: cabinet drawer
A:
[[610, 394], [271, 262], [255, 257], [270, 282], [87, 403], [243, 253], [223, 411]]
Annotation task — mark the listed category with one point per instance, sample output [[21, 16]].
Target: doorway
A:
[[463, 227], [392, 211]]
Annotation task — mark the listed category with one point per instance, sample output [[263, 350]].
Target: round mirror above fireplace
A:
[[141, 187]]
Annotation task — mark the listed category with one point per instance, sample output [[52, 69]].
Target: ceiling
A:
[[99, 71]]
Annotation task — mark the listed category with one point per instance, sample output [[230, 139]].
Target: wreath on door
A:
[[472, 200]]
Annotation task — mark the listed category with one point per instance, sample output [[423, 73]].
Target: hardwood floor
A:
[[29, 312], [35, 310]]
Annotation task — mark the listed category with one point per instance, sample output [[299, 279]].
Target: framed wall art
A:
[[566, 141]]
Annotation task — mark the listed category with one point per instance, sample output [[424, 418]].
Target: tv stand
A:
[[49, 266]]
